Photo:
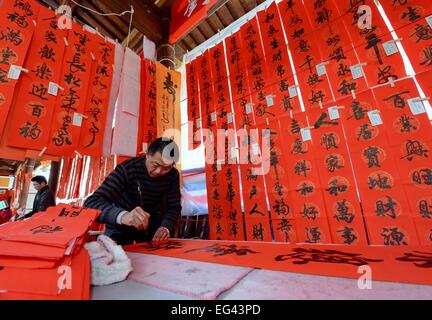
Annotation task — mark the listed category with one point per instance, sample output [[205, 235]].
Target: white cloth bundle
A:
[[109, 262]]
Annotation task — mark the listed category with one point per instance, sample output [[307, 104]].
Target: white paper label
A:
[[219, 166], [14, 72], [269, 100], [53, 89], [374, 117], [255, 149], [292, 92], [77, 119], [306, 134], [429, 21], [416, 106], [233, 152], [248, 108], [213, 116], [144, 147], [230, 117], [356, 71], [198, 123], [321, 69], [390, 48], [333, 113]]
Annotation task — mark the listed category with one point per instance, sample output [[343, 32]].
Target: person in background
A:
[[43, 199], [140, 200]]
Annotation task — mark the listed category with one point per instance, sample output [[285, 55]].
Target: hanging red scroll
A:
[[237, 66], [98, 95], [384, 203], [17, 19], [409, 135], [258, 75], [193, 107], [65, 172], [402, 13], [36, 96], [205, 90], [335, 172], [70, 103], [304, 187], [276, 53]]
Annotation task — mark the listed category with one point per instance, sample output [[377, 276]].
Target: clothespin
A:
[[34, 22], [320, 104], [78, 154], [42, 152], [92, 56], [291, 114], [353, 94], [391, 82], [66, 42], [267, 121]]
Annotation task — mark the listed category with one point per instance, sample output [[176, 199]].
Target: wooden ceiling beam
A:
[[235, 8], [225, 16], [145, 18]]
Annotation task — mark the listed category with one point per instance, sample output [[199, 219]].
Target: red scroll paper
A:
[[98, 95], [384, 202], [304, 185], [335, 171], [410, 139], [70, 103], [193, 107], [32, 115], [16, 30]]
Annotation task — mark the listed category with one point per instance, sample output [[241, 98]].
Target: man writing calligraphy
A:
[[140, 199]]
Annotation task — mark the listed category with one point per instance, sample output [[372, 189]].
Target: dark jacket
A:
[[160, 197], [44, 199]]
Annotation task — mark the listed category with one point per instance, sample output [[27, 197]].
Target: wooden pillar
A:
[[54, 176]]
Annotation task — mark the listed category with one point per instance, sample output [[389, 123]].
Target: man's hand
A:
[[161, 234], [137, 218]]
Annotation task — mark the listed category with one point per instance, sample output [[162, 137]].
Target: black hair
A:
[[39, 179], [166, 147]]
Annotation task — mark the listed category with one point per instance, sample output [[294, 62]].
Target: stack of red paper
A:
[[43, 257]]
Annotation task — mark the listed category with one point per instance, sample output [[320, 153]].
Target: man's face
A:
[[38, 186], [158, 166]]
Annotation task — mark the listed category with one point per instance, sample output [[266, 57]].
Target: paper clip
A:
[[42, 152]]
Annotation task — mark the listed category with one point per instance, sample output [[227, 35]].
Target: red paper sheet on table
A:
[[238, 72], [401, 13], [16, 30], [147, 122], [98, 96], [408, 264], [70, 103], [43, 283], [417, 42], [304, 187], [276, 53], [37, 92], [335, 172], [383, 199]]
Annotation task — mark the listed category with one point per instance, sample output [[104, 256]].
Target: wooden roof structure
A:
[[151, 19]]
